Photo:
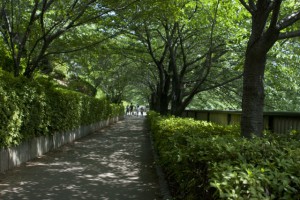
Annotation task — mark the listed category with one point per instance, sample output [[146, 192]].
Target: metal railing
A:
[[278, 122]]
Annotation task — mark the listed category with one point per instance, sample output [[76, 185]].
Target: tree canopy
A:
[[175, 54]]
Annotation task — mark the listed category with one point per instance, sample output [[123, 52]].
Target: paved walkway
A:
[[114, 163]]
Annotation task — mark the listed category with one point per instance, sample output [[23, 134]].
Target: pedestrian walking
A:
[[137, 110], [127, 110], [142, 110], [131, 109]]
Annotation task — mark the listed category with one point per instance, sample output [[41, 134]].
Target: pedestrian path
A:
[[114, 163]]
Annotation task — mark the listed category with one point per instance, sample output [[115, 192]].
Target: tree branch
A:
[[249, 7], [275, 6], [287, 35], [288, 21], [223, 83], [80, 48]]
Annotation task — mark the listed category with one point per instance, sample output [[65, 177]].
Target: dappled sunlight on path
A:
[[114, 163]]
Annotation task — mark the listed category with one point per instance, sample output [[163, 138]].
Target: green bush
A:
[[80, 85], [209, 161], [29, 108]]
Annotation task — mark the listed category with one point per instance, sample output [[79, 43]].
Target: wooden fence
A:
[[278, 122]]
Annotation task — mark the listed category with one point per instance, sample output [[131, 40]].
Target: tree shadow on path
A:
[[111, 164]]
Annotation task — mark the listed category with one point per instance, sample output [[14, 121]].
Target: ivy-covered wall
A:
[[30, 108]]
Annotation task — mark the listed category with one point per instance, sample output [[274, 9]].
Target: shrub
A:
[[80, 85], [208, 161], [30, 108]]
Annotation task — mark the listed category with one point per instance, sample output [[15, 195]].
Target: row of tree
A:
[[171, 51]]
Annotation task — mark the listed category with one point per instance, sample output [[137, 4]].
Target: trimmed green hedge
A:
[[208, 161], [30, 108]]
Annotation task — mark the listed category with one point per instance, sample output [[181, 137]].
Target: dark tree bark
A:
[[153, 102], [253, 91], [265, 32], [160, 97]]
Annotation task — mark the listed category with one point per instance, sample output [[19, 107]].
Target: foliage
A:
[[184, 48], [6, 62], [79, 85], [208, 161], [108, 44], [223, 98], [58, 74], [106, 69], [30, 108], [34, 30], [282, 75]]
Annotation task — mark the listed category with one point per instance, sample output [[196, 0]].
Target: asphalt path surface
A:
[[114, 163]]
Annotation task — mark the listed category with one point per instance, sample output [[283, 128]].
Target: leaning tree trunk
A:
[[253, 91]]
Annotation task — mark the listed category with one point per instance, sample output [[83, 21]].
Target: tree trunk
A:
[[176, 102], [16, 67], [253, 91], [160, 99], [154, 102], [176, 94], [159, 103], [164, 103], [164, 88]]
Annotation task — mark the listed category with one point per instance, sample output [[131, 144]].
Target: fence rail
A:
[[278, 122]]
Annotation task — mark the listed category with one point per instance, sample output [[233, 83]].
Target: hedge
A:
[[209, 161], [30, 108]]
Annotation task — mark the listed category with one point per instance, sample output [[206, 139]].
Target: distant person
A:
[[137, 110], [131, 109], [127, 110], [142, 110]]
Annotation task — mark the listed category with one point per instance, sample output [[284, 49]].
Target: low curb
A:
[[164, 188]]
